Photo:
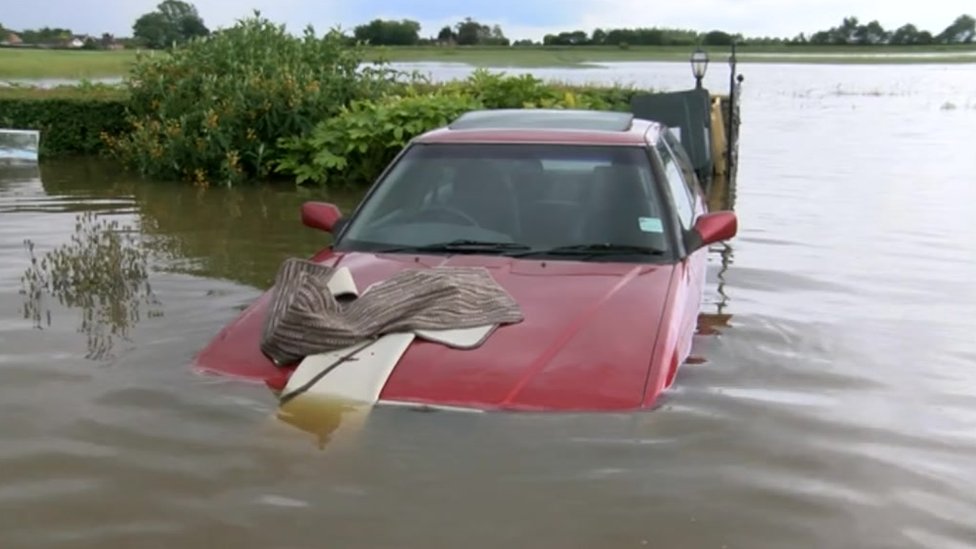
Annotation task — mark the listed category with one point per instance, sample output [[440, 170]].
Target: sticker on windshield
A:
[[651, 224]]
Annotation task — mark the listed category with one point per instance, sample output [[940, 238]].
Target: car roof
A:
[[565, 126]]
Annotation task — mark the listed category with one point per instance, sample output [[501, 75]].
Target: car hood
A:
[[586, 341]]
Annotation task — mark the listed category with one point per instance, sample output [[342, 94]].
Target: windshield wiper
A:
[[460, 246], [596, 249]]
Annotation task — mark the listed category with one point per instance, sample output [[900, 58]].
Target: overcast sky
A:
[[518, 18]]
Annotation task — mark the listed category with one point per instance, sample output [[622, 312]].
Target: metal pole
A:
[[731, 120]]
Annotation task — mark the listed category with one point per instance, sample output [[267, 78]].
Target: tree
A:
[[575, 38], [961, 31], [905, 35], [45, 35], [598, 37], [717, 38], [871, 34], [845, 33], [174, 22], [497, 37], [389, 33], [470, 32], [820, 38], [446, 35]]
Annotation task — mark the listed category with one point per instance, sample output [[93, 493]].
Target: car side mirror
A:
[[321, 215], [714, 227]]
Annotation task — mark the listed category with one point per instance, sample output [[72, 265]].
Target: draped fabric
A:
[[305, 318]]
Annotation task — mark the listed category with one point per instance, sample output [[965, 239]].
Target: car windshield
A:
[[561, 201]]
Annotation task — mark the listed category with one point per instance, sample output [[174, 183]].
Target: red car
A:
[[593, 222]]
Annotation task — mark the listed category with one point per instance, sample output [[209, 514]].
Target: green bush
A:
[[72, 120], [215, 109], [363, 138], [501, 91], [357, 144]]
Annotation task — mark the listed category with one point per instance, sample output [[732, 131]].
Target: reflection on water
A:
[[240, 234], [713, 317], [709, 322], [323, 417], [102, 271]]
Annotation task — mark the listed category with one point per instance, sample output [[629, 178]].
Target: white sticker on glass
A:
[[650, 224]]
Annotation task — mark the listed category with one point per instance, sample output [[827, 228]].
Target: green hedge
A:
[[71, 120]]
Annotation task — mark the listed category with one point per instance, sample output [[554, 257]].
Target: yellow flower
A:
[[200, 178]]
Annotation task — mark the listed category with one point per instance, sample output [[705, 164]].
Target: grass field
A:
[[29, 63], [35, 64]]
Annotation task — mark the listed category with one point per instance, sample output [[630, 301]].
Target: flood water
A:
[[833, 402]]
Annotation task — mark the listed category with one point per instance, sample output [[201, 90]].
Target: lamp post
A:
[[699, 63]]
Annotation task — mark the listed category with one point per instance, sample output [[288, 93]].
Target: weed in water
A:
[[103, 271]]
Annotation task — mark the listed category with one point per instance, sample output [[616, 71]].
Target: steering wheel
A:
[[451, 211]]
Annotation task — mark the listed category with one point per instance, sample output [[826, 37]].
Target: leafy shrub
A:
[[71, 119], [501, 91], [356, 145], [215, 109], [363, 138]]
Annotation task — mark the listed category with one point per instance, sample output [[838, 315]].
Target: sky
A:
[[518, 18]]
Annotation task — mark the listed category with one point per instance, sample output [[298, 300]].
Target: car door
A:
[[689, 204]]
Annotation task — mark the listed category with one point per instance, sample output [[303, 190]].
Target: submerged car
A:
[[594, 222]]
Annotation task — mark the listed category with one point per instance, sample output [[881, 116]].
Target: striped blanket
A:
[[305, 318]]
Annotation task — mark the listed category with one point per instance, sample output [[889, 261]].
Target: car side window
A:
[[679, 152], [677, 187]]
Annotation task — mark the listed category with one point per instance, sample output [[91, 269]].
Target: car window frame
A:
[[675, 250], [673, 144], [687, 191]]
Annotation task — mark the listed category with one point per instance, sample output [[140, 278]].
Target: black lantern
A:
[[699, 63]]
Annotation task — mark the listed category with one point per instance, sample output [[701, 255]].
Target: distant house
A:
[[11, 39], [108, 42], [75, 42]]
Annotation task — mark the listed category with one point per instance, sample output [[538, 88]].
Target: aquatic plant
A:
[[103, 271]]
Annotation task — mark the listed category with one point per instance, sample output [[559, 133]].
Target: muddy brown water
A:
[[833, 403]]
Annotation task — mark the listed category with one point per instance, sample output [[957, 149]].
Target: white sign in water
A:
[[19, 144]]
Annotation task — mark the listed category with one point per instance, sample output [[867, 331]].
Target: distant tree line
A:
[[850, 32], [48, 37], [406, 32], [469, 32]]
